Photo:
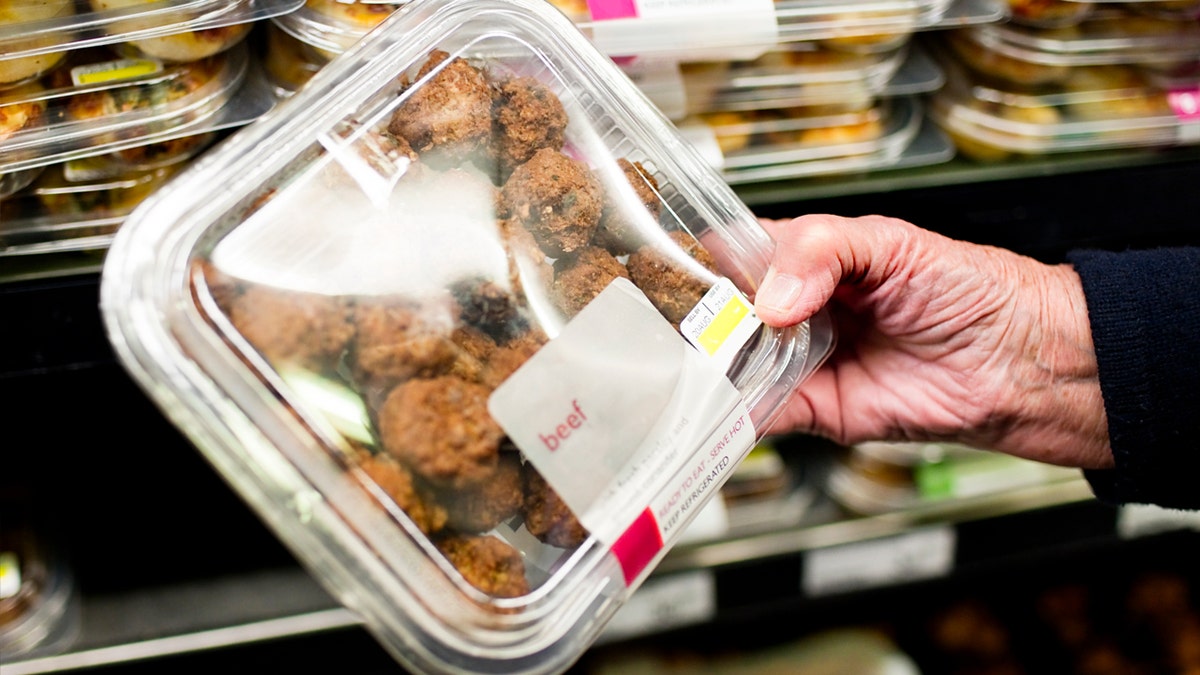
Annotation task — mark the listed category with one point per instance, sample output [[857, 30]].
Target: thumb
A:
[[813, 254]]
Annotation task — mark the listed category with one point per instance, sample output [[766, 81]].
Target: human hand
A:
[[938, 339]]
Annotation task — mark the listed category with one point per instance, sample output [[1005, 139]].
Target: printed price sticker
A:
[[721, 323], [114, 71], [921, 554]]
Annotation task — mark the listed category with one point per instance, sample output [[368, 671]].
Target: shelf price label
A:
[[925, 553]]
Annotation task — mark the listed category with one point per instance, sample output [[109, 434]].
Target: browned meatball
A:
[[510, 355], [529, 270], [673, 279], [556, 198], [293, 327], [490, 307], [526, 117], [618, 231], [487, 563], [441, 429], [396, 340], [447, 119], [484, 506], [397, 482], [547, 516], [580, 278]]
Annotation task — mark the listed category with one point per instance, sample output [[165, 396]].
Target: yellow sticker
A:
[[722, 325], [114, 71]]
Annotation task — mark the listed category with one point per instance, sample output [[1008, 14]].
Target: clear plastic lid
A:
[[819, 140], [78, 205], [1111, 36], [99, 102], [467, 321], [1095, 107], [197, 28], [1049, 13]]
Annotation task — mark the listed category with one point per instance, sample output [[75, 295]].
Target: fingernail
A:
[[780, 291]]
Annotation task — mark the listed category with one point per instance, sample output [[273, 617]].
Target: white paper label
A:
[[630, 425], [694, 30], [663, 603], [919, 554]]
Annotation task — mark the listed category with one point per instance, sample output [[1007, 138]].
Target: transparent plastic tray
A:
[[1049, 13], [883, 136], [47, 28], [1097, 107], [112, 104], [805, 74], [77, 205], [393, 313], [1111, 36]]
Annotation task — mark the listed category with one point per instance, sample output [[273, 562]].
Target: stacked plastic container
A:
[[1082, 77], [99, 100]]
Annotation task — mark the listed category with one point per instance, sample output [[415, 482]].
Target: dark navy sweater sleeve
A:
[[1144, 309]]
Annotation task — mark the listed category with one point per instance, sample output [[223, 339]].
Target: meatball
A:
[[510, 355], [293, 327], [673, 285], [484, 506], [526, 117], [618, 230], [441, 429], [580, 278], [488, 306], [556, 198], [397, 482], [547, 516], [447, 119], [487, 563], [529, 271], [397, 340]]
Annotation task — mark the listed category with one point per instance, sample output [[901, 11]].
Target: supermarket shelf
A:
[[241, 610]]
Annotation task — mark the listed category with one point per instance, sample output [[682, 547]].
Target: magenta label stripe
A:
[[612, 9], [638, 546], [1185, 103]]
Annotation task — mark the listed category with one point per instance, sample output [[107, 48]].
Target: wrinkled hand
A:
[[937, 340]]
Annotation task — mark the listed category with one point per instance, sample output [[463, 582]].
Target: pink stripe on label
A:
[[638, 546], [612, 9], [1185, 103]]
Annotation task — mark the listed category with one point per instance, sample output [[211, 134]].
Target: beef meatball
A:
[[441, 429], [547, 516], [487, 563], [510, 355], [447, 119], [396, 340], [618, 230], [484, 506], [293, 327], [580, 278], [526, 117], [556, 198], [397, 482], [674, 279]]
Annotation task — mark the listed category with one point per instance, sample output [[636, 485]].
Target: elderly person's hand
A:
[[937, 340]]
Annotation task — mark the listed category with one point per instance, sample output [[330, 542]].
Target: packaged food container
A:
[[39, 602], [287, 61], [178, 30], [100, 102], [1049, 13], [75, 206], [764, 145], [1095, 107], [881, 477], [792, 74], [1029, 56], [432, 316]]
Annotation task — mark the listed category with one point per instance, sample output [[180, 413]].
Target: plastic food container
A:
[[179, 30], [452, 347], [880, 477], [769, 145], [100, 102], [1095, 107], [1031, 56], [1049, 13], [76, 205]]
